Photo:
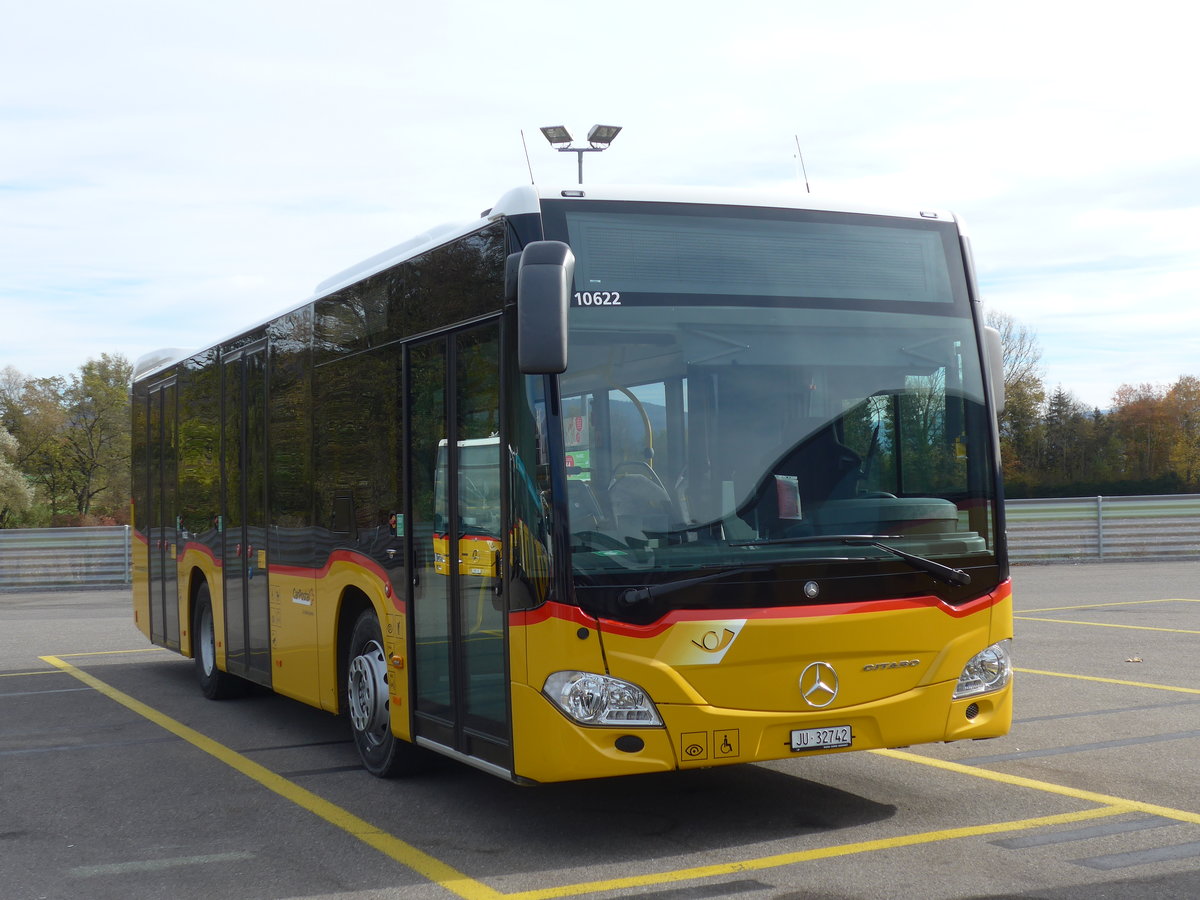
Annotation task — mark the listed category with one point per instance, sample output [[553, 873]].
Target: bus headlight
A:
[[987, 671], [592, 699]]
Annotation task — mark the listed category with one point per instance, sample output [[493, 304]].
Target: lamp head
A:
[[603, 134], [557, 134]]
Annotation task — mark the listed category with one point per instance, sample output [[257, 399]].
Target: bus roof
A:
[[528, 199]]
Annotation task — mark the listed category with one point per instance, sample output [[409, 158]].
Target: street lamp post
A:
[[599, 138]]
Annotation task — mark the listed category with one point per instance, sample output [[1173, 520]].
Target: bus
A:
[[726, 489], [478, 508]]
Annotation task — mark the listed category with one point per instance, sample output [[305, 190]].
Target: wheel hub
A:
[[368, 692], [208, 644]]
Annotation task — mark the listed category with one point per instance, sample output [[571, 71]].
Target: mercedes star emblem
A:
[[818, 684]]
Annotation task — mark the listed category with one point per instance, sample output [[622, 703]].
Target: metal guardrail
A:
[[64, 558], [1104, 528], [1072, 529]]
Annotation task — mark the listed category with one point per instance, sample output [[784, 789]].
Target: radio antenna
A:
[[527, 162], [802, 168]]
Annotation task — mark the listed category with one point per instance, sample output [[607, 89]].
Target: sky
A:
[[172, 172]]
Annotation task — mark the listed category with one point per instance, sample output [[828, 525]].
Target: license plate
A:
[[833, 737]]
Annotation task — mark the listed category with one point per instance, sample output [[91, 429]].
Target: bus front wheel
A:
[[368, 703]]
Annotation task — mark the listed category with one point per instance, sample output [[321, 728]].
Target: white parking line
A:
[[155, 865]]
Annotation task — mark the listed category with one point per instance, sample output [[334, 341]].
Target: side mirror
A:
[[993, 353], [544, 280]]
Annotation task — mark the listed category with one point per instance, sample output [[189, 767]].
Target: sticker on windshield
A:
[[597, 298]]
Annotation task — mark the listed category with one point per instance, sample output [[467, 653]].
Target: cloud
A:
[[178, 171]]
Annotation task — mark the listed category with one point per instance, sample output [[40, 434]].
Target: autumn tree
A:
[[1183, 411], [1142, 421]]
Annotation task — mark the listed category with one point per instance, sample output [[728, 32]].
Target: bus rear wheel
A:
[[368, 702], [215, 684]]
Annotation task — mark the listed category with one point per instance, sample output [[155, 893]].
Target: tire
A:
[[215, 684], [369, 707]]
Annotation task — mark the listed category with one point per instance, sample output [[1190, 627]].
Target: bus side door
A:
[[244, 539], [161, 533]]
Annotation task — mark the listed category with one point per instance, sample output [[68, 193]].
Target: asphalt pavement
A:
[[118, 779]]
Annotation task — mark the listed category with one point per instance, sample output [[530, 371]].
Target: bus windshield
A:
[[767, 389]]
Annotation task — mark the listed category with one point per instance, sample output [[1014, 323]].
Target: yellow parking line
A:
[[1115, 603], [788, 859], [1141, 684], [65, 655], [405, 854], [1106, 625], [109, 652], [1118, 803]]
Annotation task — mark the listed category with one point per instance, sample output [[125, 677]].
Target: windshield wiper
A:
[[936, 569], [941, 572], [633, 596]]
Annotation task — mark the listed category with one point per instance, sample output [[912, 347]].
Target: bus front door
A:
[[459, 635]]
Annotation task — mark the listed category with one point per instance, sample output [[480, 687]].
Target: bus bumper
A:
[[550, 747]]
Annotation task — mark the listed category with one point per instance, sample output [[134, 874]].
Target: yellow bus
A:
[[478, 516], [727, 489]]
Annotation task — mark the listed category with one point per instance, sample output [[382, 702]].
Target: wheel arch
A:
[[352, 604], [196, 579]]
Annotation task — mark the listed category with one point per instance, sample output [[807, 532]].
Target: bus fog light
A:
[[987, 671], [592, 699]]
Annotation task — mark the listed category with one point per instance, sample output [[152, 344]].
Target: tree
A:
[[1066, 437], [1022, 353], [31, 410], [15, 493], [1141, 418], [73, 438], [1020, 421], [96, 440], [1105, 453], [1183, 410]]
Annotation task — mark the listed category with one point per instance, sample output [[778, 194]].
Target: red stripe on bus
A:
[[551, 610], [350, 556], [858, 607]]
